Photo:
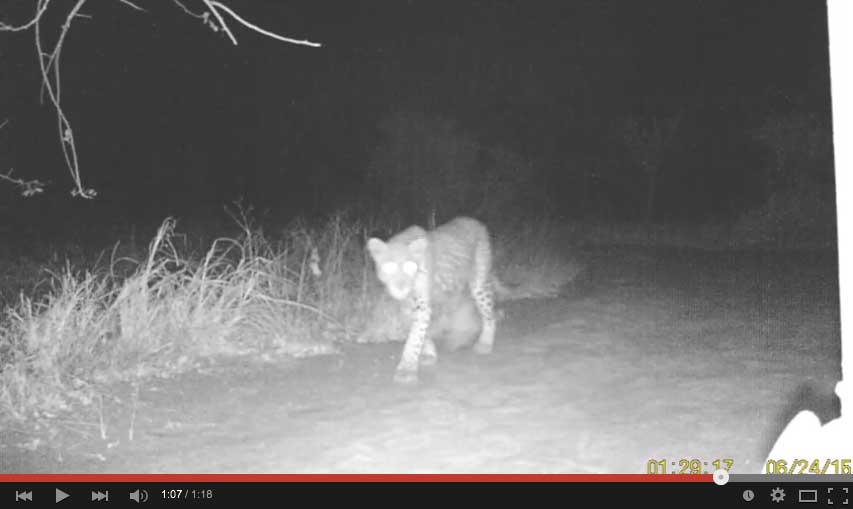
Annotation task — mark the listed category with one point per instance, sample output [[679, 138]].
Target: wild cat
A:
[[431, 269]]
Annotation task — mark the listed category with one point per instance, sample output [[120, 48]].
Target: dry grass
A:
[[168, 310], [160, 315]]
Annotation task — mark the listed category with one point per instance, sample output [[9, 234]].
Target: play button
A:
[[61, 495]]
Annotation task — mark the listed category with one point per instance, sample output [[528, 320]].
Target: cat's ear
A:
[[376, 248]]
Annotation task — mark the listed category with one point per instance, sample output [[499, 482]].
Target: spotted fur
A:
[[430, 269]]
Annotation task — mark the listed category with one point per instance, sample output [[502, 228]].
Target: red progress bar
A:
[[233, 478]]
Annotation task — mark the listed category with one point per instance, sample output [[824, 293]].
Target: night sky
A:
[[171, 118]]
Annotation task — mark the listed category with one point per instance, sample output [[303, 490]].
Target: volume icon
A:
[[139, 496]]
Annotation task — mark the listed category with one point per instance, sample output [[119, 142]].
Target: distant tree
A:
[[430, 169], [801, 145], [647, 139], [211, 16], [423, 165], [799, 194]]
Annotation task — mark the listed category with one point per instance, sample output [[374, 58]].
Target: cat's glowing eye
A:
[[410, 268], [389, 268]]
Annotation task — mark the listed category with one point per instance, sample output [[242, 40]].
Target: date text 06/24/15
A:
[[809, 466]]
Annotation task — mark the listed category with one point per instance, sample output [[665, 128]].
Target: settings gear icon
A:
[[777, 494]]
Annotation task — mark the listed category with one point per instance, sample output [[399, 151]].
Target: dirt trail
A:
[[658, 355]]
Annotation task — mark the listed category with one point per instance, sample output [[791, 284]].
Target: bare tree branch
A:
[[132, 5], [212, 5], [57, 48], [49, 67], [222, 24], [54, 91], [188, 11], [28, 187], [5, 27]]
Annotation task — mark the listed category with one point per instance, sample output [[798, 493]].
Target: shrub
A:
[[428, 165]]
